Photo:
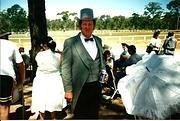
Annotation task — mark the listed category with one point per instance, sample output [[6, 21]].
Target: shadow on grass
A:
[[109, 110]]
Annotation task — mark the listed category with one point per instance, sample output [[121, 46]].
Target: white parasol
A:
[[152, 87]]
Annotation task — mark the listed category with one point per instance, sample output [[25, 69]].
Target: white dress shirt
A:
[[90, 46]]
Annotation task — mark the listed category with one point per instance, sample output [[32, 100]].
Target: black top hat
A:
[[86, 14]]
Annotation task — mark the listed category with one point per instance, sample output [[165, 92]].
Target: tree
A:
[[153, 11], [66, 18], [168, 21], [174, 7], [100, 22], [118, 22], [38, 28], [75, 18], [135, 21], [4, 22], [18, 18]]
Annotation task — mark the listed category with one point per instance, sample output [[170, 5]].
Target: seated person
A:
[[118, 69], [133, 58], [169, 45], [109, 62]]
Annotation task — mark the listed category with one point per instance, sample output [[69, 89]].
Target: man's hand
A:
[[69, 96]]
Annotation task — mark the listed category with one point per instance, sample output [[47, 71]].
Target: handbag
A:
[[149, 48]]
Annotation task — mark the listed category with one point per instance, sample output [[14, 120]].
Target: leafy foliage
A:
[[18, 18], [15, 19], [174, 7], [4, 22]]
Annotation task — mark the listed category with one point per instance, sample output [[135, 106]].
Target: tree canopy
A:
[[15, 19]]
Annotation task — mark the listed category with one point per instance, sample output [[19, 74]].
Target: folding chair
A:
[[112, 87]]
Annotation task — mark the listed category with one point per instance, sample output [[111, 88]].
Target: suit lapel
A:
[[100, 51], [82, 52]]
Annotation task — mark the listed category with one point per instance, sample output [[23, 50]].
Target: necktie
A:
[[88, 39]]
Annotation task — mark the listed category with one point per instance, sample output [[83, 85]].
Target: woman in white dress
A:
[[151, 88], [48, 90]]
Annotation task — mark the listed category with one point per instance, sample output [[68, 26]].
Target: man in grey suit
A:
[[81, 65]]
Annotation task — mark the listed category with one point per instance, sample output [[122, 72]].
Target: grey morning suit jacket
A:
[[75, 66]]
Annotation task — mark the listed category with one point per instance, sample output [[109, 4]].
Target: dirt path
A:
[[110, 109]]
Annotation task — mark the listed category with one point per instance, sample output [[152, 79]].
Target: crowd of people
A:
[[71, 77]]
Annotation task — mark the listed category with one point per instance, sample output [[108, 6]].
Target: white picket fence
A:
[[109, 40]]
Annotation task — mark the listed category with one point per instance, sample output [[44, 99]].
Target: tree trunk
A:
[[178, 16], [38, 29]]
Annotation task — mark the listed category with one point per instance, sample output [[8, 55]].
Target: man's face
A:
[[87, 27]]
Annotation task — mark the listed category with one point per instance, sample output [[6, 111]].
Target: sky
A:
[[100, 7]]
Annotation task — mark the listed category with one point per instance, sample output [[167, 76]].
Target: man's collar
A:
[[86, 39]]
